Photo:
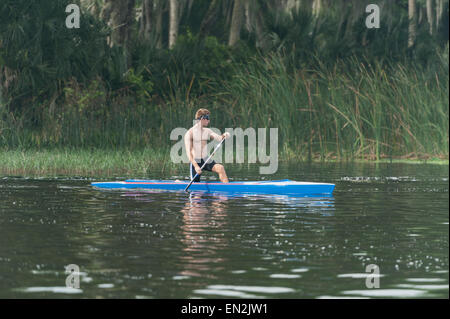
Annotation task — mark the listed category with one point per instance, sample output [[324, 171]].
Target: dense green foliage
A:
[[334, 88]]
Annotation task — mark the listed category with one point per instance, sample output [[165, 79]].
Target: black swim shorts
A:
[[208, 167]]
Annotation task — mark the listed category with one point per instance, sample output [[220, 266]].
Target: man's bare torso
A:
[[198, 137]]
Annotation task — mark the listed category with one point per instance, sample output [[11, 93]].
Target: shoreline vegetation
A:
[[103, 163], [107, 96]]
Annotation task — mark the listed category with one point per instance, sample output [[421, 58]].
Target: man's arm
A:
[[217, 137]]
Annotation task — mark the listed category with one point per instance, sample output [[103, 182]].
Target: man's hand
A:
[[198, 170], [225, 135]]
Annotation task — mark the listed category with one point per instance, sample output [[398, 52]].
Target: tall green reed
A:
[[356, 109]]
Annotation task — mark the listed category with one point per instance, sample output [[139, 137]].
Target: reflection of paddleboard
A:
[[280, 187]]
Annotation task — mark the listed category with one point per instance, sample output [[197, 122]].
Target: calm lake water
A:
[[136, 244]]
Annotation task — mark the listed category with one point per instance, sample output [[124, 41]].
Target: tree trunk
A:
[[7, 79], [421, 14], [189, 5], [93, 6], [236, 22], [259, 29], [430, 16], [317, 6], [146, 20], [248, 15], [173, 22], [209, 18], [227, 11], [159, 10], [342, 19], [119, 14], [254, 21], [293, 5], [439, 11], [412, 14]]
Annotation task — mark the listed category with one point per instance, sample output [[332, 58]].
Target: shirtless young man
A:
[[195, 141]]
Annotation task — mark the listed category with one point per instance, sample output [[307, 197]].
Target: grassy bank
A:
[[84, 162], [94, 163]]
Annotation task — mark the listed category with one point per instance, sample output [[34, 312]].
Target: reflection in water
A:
[[202, 200], [203, 224]]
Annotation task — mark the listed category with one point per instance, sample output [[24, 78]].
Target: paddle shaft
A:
[[217, 147]]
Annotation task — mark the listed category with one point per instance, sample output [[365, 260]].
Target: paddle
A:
[[217, 147]]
